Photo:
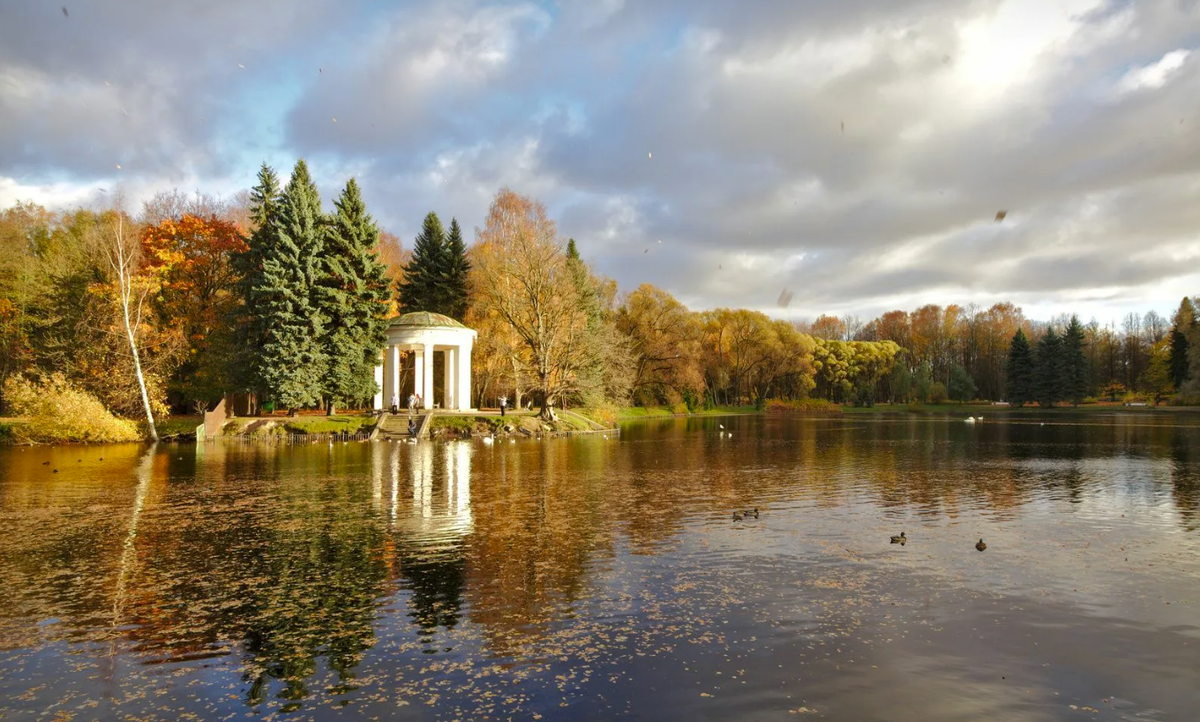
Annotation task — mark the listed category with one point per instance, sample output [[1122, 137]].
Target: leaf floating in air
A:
[[1000, 215]]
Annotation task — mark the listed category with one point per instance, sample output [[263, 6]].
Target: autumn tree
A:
[[665, 345], [1181, 328], [193, 258], [292, 358], [522, 273], [122, 252], [353, 292]]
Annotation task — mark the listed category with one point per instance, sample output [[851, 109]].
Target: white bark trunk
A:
[[123, 260]]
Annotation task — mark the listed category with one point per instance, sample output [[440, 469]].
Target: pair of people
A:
[[413, 401]]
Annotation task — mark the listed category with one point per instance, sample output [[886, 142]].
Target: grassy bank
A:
[[528, 422], [283, 425], [608, 416]]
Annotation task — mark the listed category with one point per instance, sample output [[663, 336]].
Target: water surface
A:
[[594, 578]]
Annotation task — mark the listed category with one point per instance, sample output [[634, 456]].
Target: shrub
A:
[[56, 411], [605, 414], [804, 406], [937, 393]]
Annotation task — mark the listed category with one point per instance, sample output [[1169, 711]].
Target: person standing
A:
[[395, 404], [503, 403]]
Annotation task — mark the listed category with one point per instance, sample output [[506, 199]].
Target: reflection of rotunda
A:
[[424, 334], [425, 489]]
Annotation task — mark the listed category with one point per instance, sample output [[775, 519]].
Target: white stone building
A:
[[423, 333]]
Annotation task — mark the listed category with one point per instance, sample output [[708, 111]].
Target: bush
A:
[[605, 414], [937, 393], [804, 406], [56, 411]]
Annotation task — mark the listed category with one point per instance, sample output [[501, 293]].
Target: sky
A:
[[853, 154]]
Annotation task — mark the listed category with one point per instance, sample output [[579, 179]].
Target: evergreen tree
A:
[[961, 387], [353, 291], [456, 270], [1181, 325], [425, 285], [1074, 364], [1049, 383], [265, 199], [589, 377], [292, 360], [1022, 372]]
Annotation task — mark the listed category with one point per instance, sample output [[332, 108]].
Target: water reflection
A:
[[287, 578]]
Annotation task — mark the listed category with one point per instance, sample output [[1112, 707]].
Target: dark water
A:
[[597, 578]]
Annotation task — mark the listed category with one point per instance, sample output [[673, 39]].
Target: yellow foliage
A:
[[56, 411]]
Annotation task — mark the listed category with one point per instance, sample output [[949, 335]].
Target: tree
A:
[[1074, 363], [1181, 327], [425, 286], [1156, 379], [123, 254], [1049, 377], [353, 292], [193, 258], [665, 346], [249, 322], [961, 387], [900, 381], [1022, 372], [292, 358], [923, 382], [456, 272], [522, 273]]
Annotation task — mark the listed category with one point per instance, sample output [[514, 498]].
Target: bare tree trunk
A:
[[122, 256]]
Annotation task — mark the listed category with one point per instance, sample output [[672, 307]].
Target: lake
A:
[[605, 577]]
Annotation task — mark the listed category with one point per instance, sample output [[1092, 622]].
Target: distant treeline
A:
[[269, 294]]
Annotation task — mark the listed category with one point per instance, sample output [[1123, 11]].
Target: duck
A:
[[970, 419], [737, 516], [980, 545], [751, 512], [899, 539]]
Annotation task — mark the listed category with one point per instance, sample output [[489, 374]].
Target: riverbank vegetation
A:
[[268, 295]]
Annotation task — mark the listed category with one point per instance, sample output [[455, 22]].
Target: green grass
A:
[[175, 425], [328, 424], [632, 413], [8, 432], [465, 423]]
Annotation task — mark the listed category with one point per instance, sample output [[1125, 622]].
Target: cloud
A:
[[856, 153]]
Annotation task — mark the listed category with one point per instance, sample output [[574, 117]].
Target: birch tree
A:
[[121, 250]]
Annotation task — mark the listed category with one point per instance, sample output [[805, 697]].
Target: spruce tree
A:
[[424, 287], [589, 377], [1049, 383], [292, 360], [265, 199], [456, 270], [1074, 363], [1181, 326], [1021, 370], [353, 293]]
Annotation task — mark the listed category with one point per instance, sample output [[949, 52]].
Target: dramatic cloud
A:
[[855, 153]]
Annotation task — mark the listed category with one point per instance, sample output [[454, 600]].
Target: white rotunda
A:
[[423, 332]]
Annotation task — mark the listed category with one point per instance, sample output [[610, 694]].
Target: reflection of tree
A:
[[436, 581], [1185, 477], [325, 579]]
